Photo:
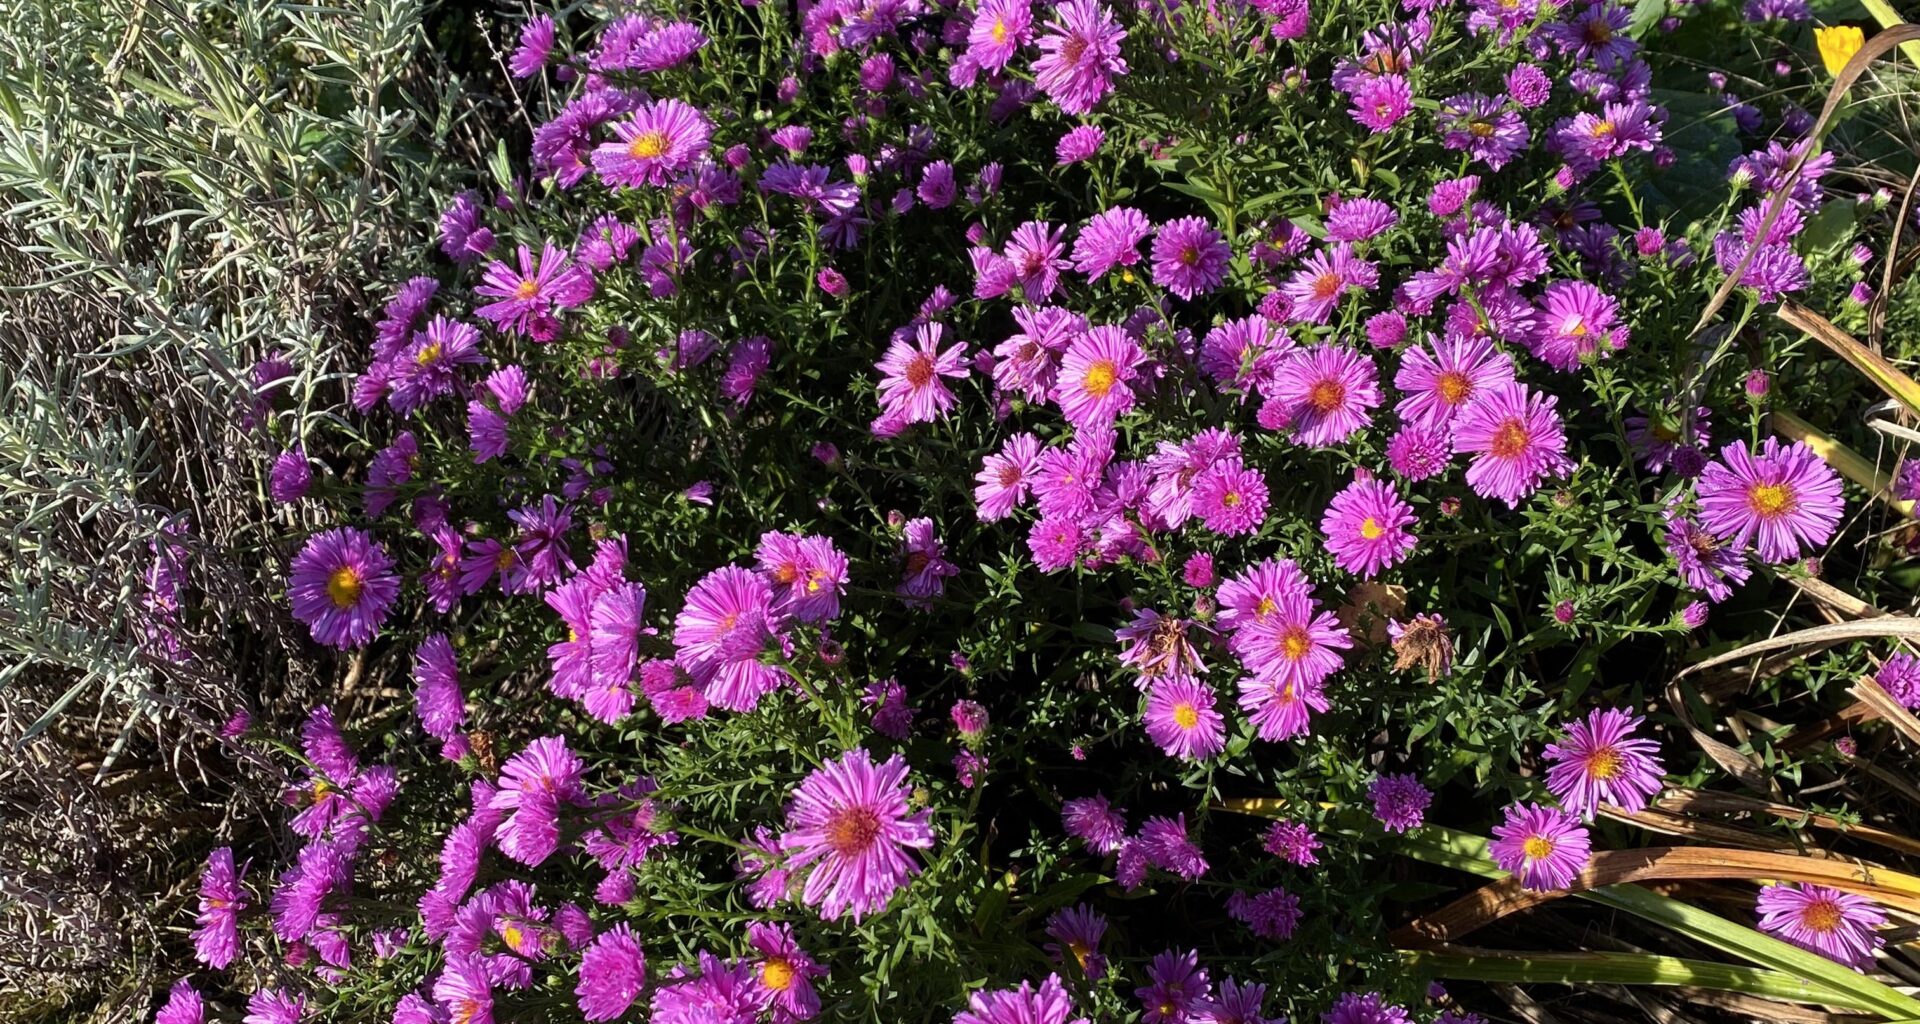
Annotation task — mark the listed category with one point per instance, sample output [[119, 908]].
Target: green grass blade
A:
[[1624, 969]]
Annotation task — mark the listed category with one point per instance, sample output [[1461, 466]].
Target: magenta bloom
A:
[[808, 574], [1601, 760], [850, 820], [464, 991], [911, 387], [436, 688], [216, 942], [1230, 497], [535, 49], [1289, 658], [1110, 239], [184, 1005], [1357, 220], [1095, 384], [1484, 128], [1576, 321], [1704, 563], [1079, 143], [924, 568], [785, 973], [1051, 1004], [278, 1006], [1176, 987], [342, 586], [1181, 720], [1094, 822], [1364, 1008], [999, 30], [1899, 675], [1419, 453], [661, 140], [1779, 499], [1837, 925], [718, 637], [1381, 102], [1366, 527], [1399, 801], [1254, 596], [1545, 846], [1076, 932], [1518, 440], [1034, 250], [1328, 392], [612, 972], [1443, 377], [525, 298], [1080, 56], [1324, 279], [1006, 477], [1292, 842], [1272, 915], [1189, 257], [533, 785], [291, 477]]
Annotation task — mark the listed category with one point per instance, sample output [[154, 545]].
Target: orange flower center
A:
[[1328, 285], [851, 831], [777, 974], [1480, 129], [526, 289], [1822, 915], [1454, 387], [1100, 377], [1604, 764], [648, 145], [919, 370], [1294, 643], [1509, 441], [1327, 395]]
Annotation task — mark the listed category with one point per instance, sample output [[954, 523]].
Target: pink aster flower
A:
[[1176, 987], [1366, 527], [1244, 353], [216, 942], [1419, 453], [184, 1005], [1328, 392], [1079, 143], [1095, 384], [1399, 801], [342, 585], [613, 970], [1576, 321], [1230, 497], [1838, 925], [1094, 822], [1518, 441], [1704, 563], [1000, 28], [661, 140], [1281, 709], [1159, 645], [1272, 915], [533, 785], [1443, 377], [436, 693], [525, 298], [1005, 477], [1324, 279], [535, 48], [278, 1006], [1292, 842], [850, 821], [1181, 720], [1545, 846], [1076, 933], [808, 574], [785, 972], [911, 387], [1080, 56], [729, 620], [1035, 251], [1783, 500], [1601, 760], [924, 568], [1381, 102], [1110, 239], [1050, 1004], [1364, 1008], [1189, 257]]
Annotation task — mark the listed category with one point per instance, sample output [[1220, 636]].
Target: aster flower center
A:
[[1602, 129], [343, 587], [1822, 915], [1009, 475], [1537, 847], [1100, 377], [1371, 529], [511, 934], [321, 790], [1327, 395], [1072, 49], [1480, 129], [1185, 715], [777, 974], [504, 560], [1599, 32], [429, 355], [999, 32], [851, 831], [1190, 256], [467, 1010], [1509, 441], [1454, 387], [526, 289], [1080, 952], [1605, 764], [1231, 499], [1576, 327], [648, 145], [916, 562], [1770, 501], [1328, 285], [919, 371], [1264, 608], [1295, 643]]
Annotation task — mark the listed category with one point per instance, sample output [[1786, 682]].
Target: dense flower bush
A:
[[876, 479]]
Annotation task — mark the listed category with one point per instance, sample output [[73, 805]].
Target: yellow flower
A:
[[1838, 45]]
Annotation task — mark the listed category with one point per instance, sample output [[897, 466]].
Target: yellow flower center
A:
[[1100, 377], [1230, 499], [1294, 643], [1770, 501], [343, 587], [1602, 129], [999, 30], [429, 355], [1454, 387], [504, 560], [1185, 715], [777, 974], [1604, 764], [648, 145], [1508, 441], [1264, 608], [1822, 915], [1371, 529], [1537, 847], [512, 934]]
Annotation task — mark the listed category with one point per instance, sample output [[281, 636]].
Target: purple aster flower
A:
[[1080, 142], [1292, 842], [1272, 915], [613, 970], [1780, 499], [1035, 251], [1366, 527], [785, 972], [1704, 563], [1399, 801], [720, 992], [1528, 85], [1364, 1008], [533, 785], [850, 820], [1230, 497], [1445, 376], [1327, 393], [1576, 321], [1176, 987], [463, 233], [1840, 926], [436, 688], [526, 297], [808, 572], [1076, 933], [924, 569], [290, 478], [1518, 441], [216, 942], [661, 140], [1419, 453], [1357, 220], [911, 387], [1180, 718], [342, 586], [1380, 103], [278, 1006], [1110, 239], [1324, 279], [1005, 477], [535, 49], [1050, 1004], [1899, 675], [729, 620], [1080, 56], [1483, 128], [184, 1006], [1092, 821], [426, 369], [1545, 846], [1096, 374], [1601, 760], [999, 29], [1189, 257]]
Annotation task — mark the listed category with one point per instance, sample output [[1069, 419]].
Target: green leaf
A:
[[1623, 969]]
